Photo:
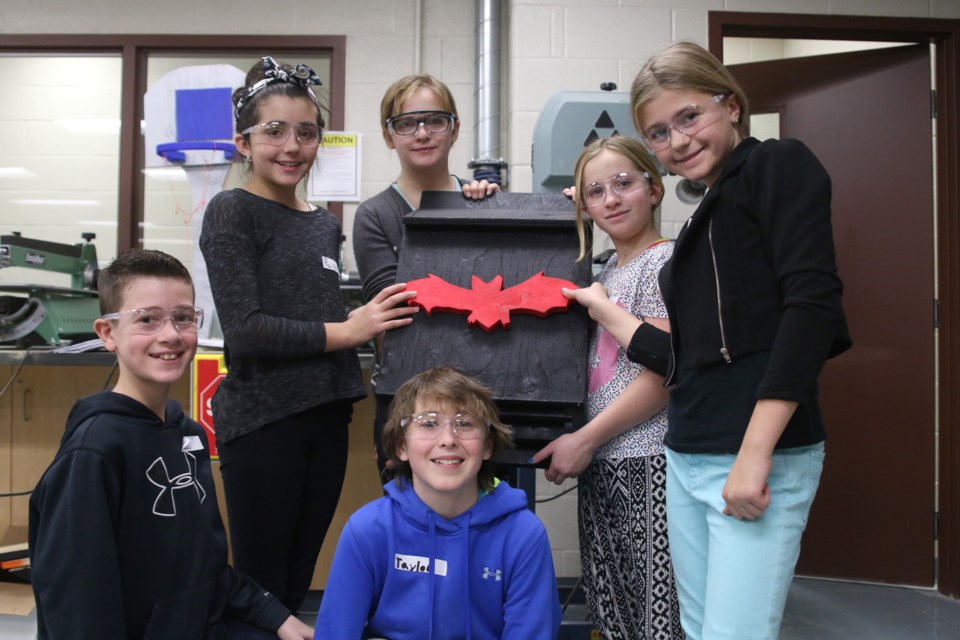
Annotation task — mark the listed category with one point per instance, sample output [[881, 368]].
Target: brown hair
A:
[[401, 90], [131, 265], [450, 386], [686, 66], [634, 151], [249, 113]]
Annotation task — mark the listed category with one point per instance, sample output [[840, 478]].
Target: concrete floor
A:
[[816, 610]]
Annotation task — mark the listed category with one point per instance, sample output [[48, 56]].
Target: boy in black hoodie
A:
[[126, 539]]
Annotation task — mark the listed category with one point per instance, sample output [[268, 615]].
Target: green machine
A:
[[44, 315]]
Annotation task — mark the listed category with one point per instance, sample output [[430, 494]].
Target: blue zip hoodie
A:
[[401, 571]]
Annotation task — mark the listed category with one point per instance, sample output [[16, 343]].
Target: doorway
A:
[[876, 517]]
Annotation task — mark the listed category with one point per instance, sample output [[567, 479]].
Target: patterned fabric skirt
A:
[[624, 552]]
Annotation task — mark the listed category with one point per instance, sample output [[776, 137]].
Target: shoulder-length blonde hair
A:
[[401, 90], [686, 66]]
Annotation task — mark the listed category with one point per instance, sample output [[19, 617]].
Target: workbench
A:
[[33, 413]]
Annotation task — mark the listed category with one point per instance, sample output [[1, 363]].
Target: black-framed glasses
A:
[[150, 320], [689, 121], [622, 184], [430, 424], [277, 133], [407, 124]]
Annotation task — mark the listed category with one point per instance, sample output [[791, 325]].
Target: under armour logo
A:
[[157, 474], [496, 575]]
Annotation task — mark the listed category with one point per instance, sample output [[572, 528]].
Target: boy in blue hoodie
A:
[[450, 551], [126, 539]]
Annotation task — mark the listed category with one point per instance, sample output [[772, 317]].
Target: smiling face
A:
[[445, 470], [277, 170], [626, 217], [700, 155], [149, 364], [423, 150]]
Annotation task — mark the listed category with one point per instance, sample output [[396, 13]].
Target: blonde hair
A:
[[686, 66], [401, 90], [447, 386], [634, 151]]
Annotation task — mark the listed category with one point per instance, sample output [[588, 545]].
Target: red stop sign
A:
[[208, 371]]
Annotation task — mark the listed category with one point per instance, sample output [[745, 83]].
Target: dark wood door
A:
[[867, 117]]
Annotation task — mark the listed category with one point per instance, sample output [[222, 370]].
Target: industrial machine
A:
[[571, 120], [45, 315]]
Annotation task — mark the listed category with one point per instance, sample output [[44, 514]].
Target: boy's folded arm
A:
[[248, 602]]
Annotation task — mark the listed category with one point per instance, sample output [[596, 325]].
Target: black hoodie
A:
[[126, 539]]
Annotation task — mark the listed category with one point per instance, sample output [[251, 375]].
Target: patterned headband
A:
[[300, 75]]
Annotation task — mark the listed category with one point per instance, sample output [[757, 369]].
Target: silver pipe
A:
[[487, 95]]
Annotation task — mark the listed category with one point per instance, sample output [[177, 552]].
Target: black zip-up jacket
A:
[[754, 270]]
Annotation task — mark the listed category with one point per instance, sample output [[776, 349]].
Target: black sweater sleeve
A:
[[650, 347], [230, 245], [791, 191], [75, 567]]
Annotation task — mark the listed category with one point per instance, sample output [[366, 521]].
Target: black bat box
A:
[[537, 367]]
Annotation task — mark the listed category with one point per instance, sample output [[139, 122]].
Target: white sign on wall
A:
[[336, 173]]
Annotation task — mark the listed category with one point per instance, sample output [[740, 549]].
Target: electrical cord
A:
[[106, 383], [16, 371], [561, 494], [3, 392]]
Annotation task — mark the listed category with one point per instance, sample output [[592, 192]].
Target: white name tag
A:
[[330, 263], [191, 443], [418, 564]]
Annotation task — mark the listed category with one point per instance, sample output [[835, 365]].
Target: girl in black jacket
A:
[[755, 310]]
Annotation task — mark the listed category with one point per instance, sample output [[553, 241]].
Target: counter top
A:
[[44, 356]]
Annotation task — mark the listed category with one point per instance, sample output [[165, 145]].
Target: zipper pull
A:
[[726, 355]]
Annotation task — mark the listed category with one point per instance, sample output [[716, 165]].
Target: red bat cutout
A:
[[487, 303]]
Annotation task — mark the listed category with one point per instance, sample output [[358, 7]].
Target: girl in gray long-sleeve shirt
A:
[[282, 411], [418, 118]]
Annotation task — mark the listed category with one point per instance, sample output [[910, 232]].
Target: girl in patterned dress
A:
[[618, 454]]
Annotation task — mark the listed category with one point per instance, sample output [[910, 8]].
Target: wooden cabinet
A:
[[34, 410]]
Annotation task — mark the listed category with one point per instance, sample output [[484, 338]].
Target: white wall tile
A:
[[781, 6], [711, 5], [945, 9], [690, 24], [449, 17], [372, 58], [531, 32], [623, 32], [457, 54], [569, 563], [533, 81], [881, 7]]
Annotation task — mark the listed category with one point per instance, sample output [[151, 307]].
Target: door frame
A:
[[946, 35]]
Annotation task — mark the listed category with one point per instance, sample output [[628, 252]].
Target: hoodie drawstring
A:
[[432, 532], [466, 575]]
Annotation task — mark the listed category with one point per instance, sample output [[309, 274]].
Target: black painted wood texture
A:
[[537, 367]]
